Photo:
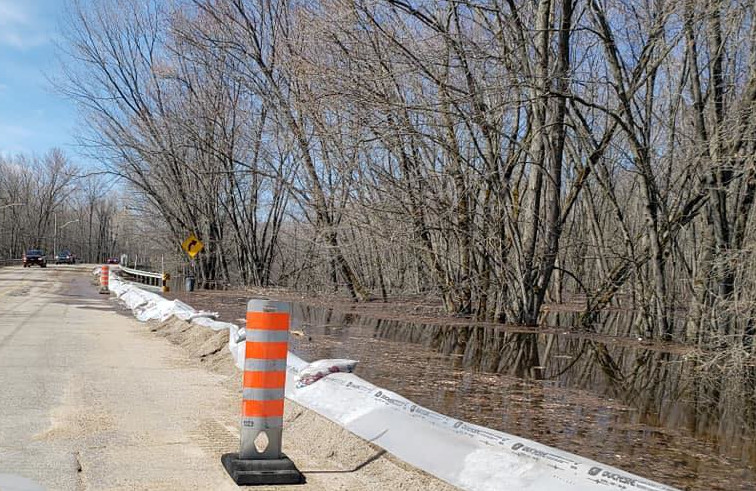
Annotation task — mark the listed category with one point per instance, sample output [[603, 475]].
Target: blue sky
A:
[[33, 118]]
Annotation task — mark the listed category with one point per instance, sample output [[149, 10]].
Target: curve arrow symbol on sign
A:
[[192, 245]]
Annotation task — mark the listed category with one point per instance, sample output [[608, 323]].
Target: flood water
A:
[[604, 395], [636, 407]]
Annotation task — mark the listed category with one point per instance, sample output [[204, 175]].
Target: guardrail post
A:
[[260, 460], [104, 279]]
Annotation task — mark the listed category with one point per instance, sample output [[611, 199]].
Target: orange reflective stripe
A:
[[264, 380], [262, 409], [266, 351], [278, 321]]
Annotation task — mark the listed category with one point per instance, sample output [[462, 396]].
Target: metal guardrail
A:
[[149, 279], [10, 262]]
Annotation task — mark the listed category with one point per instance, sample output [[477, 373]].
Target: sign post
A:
[[192, 246]]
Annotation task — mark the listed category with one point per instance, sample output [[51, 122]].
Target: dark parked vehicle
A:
[[35, 256], [112, 260], [65, 257]]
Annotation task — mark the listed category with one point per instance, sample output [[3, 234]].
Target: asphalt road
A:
[[90, 400]]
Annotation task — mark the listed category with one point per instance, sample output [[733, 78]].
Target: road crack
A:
[[80, 478]]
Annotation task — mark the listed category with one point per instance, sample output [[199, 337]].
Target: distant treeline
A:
[[500, 154], [45, 204]]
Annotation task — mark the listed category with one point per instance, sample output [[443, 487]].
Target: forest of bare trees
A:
[[46, 203], [500, 154]]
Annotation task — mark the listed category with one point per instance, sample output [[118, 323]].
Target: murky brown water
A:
[[637, 407], [628, 406]]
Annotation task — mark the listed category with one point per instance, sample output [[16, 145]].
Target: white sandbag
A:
[[322, 368]]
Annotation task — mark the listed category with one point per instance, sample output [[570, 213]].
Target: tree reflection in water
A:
[[641, 404]]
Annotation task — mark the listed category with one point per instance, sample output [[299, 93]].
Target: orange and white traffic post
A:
[[260, 459], [104, 279]]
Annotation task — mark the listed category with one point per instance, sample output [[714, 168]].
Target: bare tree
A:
[[499, 154]]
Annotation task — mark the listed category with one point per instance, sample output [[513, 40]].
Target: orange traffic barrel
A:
[[104, 279], [260, 459]]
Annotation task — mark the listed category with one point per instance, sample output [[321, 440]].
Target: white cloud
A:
[[22, 40], [15, 131], [11, 12], [18, 28]]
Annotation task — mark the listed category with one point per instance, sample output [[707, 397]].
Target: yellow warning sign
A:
[[192, 246]]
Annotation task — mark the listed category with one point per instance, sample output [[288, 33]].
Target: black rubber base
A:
[[257, 472]]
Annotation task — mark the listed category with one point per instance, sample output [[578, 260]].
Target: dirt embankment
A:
[[331, 457]]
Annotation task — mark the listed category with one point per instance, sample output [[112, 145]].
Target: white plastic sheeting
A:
[[463, 454], [151, 306]]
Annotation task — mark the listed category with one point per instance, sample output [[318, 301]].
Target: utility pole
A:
[[55, 235]]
